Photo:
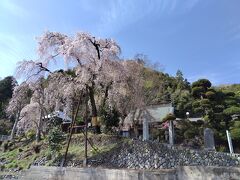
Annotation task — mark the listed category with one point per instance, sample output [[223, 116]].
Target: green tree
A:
[[6, 88], [6, 91], [109, 117], [55, 139], [233, 110], [205, 83], [198, 92], [235, 130]]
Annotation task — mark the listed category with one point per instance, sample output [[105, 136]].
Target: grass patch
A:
[[20, 157], [23, 155], [9, 155]]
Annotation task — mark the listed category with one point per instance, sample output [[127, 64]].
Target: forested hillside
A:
[[217, 105], [232, 88]]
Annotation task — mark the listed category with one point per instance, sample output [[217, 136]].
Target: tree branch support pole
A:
[[71, 131], [85, 136]]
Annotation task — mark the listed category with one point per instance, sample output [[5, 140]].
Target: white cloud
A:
[[12, 50], [13, 8], [122, 13]]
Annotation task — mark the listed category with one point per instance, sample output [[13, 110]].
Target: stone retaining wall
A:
[[180, 173], [150, 155]]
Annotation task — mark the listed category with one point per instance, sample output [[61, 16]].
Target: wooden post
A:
[[85, 137], [71, 131]]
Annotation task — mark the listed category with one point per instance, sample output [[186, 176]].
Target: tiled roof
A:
[[151, 113], [60, 115]]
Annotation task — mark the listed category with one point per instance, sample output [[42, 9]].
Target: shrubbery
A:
[[109, 118], [55, 138], [190, 134], [5, 126], [30, 134]]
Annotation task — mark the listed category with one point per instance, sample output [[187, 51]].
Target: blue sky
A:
[[199, 37]]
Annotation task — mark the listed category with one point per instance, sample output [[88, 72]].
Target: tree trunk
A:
[[135, 129], [92, 100], [94, 109], [15, 126], [226, 124], [135, 123], [39, 125], [106, 94], [1, 104]]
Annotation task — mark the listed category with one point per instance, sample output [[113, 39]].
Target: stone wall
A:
[[181, 173], [151, 155], [207, 173]]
